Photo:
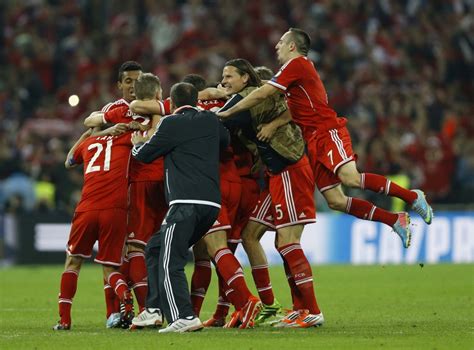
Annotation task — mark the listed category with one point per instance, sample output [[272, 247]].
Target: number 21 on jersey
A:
[[99, 148]]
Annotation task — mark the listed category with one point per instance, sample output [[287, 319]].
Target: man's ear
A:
[[172, 105], [292, 46], [246, 76], [119, 85]]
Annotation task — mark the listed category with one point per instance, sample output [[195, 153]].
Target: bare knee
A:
[[349, 175], [73, 263], [336, 199], [338, 204], [252, 233]]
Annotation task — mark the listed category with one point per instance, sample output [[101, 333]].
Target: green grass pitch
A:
[[366, 307]]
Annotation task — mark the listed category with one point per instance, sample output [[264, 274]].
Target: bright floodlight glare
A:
[[73, 100]]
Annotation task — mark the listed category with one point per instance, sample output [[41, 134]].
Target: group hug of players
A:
[[286, 141]]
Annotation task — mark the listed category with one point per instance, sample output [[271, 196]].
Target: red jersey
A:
[[211, 105], [106, 160], [227, 168], [120, 113], [306, 96], [167, 106], [112, 105]]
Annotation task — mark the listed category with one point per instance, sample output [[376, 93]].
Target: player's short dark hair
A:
[[147, 86], [301, 39], [197, 80], [264, 73], [183, 94], [127, 67], [244, 67]]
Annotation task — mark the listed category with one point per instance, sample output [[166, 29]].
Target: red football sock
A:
[[231, 271], [117, 282], [125, 268], [365, 210], [226, 294], [300, 269], [296, 297], [66, 294], [138, 277], [381, 184], [262, 282], [199, 283], [112, 302]]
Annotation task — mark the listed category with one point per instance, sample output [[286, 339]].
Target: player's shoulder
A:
[[115, 104]]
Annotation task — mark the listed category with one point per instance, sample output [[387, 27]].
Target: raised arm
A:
[[252, 99], [146, 107], [94, 119], [69, 163], [212, 94]]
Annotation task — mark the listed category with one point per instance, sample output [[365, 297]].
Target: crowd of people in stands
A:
[[401, 72]]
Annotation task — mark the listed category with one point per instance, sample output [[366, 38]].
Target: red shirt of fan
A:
[[106, 161], [306, 96], [138, 171]]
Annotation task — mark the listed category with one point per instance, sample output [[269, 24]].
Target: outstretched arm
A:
[[252, 99], [146, 107]]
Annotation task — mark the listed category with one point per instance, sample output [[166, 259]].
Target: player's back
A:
[[106, 161]]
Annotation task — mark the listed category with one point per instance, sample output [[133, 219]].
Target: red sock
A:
[[125, 268], [367, 211], [262, 282], [117, 282], [66, 294], [226, 296], [222, 308], [296, 297], [301, 271], [137, 274], [231, 271], [199, 283], [381, 184], [112, 302]]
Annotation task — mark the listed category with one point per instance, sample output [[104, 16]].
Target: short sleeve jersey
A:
[[120, 113], [306, 95], [106, 161]]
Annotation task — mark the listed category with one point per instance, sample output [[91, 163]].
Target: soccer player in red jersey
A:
[[101, 215], [290, 186], [328, 140], [147, 203]]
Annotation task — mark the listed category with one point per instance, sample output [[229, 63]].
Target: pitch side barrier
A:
[[334, 239]]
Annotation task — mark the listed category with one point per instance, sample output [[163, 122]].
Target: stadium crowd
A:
[[400, 71]]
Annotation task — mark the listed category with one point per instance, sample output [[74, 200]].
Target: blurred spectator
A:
[[401, 71]]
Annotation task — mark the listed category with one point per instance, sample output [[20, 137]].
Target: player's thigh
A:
[[248, 201], [263, 212], [112, 236], [334, 148], [84, 233], [146, 211], [292, 195]]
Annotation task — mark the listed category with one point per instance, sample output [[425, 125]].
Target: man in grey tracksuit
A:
[[190, 141]]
